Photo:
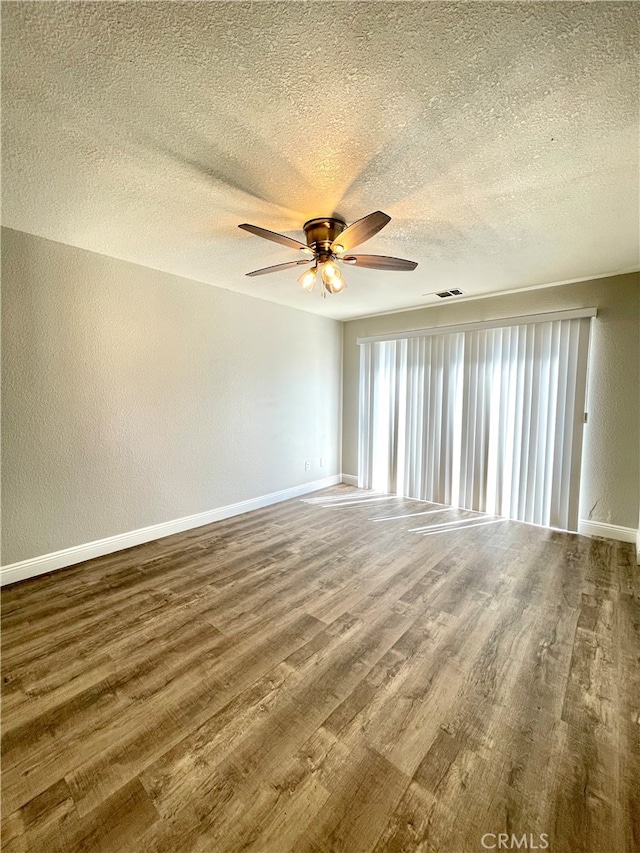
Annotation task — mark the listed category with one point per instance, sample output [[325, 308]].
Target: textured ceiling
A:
[[502, 139]]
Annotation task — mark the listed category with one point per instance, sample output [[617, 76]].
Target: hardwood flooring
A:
[[322, 676]]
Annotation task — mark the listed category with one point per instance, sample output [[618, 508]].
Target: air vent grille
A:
[[445, 293]]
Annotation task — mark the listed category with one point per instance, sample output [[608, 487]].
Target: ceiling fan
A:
[[329, 240]]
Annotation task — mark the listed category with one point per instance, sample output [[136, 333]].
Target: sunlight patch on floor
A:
[[360, 500]]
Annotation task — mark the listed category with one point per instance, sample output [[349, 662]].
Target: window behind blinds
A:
[[488, 419]]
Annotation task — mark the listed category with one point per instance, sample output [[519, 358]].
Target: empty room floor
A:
[[347, 672]]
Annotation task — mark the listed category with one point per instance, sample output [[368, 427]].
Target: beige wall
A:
[[133, 397], [611, 472]]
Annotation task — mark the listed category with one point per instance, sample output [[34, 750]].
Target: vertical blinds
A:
[[488, 419]]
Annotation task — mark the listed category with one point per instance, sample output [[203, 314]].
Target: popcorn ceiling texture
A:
[[501, 138]]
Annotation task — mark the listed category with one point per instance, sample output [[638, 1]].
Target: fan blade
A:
[[380, 262], [271, 235], [277, 267], [360, 231]]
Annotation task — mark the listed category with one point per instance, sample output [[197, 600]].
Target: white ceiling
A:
[[502, 139]]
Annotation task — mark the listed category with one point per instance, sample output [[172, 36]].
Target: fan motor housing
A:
[[322, 232]]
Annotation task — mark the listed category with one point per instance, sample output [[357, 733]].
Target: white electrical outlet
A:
[[322, 461], [307, 465]]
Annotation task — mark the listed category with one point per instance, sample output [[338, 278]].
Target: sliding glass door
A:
[[488, 419]]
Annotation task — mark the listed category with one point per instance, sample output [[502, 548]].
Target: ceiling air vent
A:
[[445, 293]]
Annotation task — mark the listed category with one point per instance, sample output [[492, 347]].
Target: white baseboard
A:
[[350, 479], [79, 553], [607, 531]]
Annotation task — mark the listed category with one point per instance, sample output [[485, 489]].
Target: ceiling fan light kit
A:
[[328, 238]]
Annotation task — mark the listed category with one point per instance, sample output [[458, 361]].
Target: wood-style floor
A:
[[309, 678]]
